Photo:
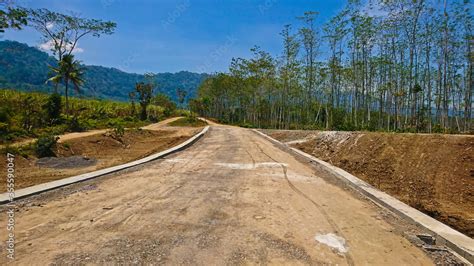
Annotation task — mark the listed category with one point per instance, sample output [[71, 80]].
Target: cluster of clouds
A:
[[49, 45]]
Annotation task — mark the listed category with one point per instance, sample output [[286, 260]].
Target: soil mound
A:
[[433, 173]]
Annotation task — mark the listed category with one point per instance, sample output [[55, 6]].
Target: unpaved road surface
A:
[[76, 135], [85, 152], [231, 198]]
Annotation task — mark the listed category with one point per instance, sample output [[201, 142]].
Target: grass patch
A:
[[188, 122]]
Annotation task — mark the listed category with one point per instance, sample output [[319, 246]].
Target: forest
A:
[[401, 65]]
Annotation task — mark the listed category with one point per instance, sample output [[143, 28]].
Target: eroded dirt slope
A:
[[433, 173]]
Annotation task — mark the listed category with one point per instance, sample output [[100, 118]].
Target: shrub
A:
[[22, 151], [118, 131], [3, 128], [67, 146], [10, 149], [246, 125], [45, 144], [189, 121], [53, 107], [76, 125], [181, 112]]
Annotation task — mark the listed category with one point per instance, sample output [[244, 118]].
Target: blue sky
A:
[[170, 36]]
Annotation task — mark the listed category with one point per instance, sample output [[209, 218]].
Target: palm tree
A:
[[68, 70]]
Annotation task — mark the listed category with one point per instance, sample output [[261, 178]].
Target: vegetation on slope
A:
[[188, 121], [25, 115], [26, 68]]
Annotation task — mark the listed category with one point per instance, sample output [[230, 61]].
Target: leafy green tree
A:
[[132, 95], [11, 17], [44, 146], [68, 71], [181, 96], [63, 32], [164, 101], [310, 43], [144, 92], [53, 108], [403, 65]]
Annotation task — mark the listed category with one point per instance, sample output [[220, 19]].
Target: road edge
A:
[[37, 189], [445, 235]]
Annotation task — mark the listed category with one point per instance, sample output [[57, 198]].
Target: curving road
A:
[[231, 198], [76, 135]]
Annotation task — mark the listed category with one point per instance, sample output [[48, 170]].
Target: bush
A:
[[76, 125], [22, 151], [246, 125], [118, 131], [53, 108], [45, 144], [189, 121], [3, 128], [181, 112]]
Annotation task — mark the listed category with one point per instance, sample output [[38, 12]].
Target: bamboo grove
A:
[[391, 65]]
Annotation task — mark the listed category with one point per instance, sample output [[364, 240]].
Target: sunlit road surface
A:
[[231, 198]]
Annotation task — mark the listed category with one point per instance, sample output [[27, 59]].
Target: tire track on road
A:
[[331, 222]]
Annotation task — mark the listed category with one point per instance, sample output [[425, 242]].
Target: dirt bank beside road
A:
[[80, 155], [433, 173]]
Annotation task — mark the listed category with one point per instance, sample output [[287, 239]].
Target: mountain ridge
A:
[[26, 68]]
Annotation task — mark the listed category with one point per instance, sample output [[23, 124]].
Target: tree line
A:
[[392, 65]]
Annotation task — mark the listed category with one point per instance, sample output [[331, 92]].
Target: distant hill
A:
[[26, 68]]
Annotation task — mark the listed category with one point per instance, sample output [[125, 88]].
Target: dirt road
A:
[[75, 135], [231, 198]]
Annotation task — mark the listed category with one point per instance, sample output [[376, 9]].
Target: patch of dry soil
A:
[[432, 173], [93, 152]]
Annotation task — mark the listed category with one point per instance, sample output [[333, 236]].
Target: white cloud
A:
[[78, 50], [49, 25], [47, 46]]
